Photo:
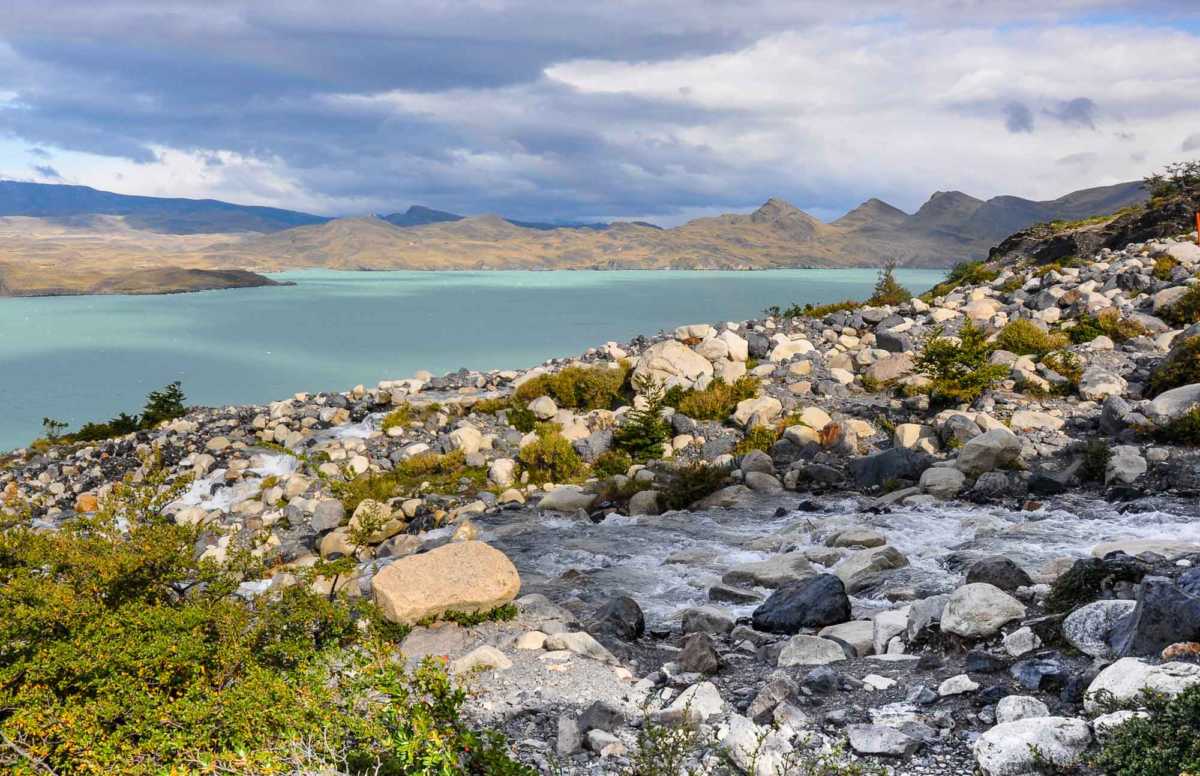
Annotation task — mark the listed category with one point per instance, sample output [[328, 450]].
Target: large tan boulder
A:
[[673, 363], [462, 577]]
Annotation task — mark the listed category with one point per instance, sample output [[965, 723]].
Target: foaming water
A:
[[668, 563], [88, 358], [212, 493]]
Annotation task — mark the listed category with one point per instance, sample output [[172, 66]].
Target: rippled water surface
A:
[[88, 358]]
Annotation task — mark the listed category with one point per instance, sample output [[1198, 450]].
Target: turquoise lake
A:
[[88, 358]]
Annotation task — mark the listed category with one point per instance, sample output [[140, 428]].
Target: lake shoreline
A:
[[262, 277]]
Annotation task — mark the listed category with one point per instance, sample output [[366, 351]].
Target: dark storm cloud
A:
[[1018, 117], [1079, 112], [279, 82]]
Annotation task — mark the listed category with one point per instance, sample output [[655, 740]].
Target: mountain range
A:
[[74, 239]]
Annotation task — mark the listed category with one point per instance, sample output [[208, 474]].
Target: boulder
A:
[[772, 572], [890, 368], [1163, 615], [1016, 707], [698, 703], [801, 650], [673, 363], [1172, 404], [706, 619], [881, 740], [979, 610], [999, 571], [873, 471], [1090, 627], [621, 617], [1009, 749], [944, 482], [467, 439], [1097, 384], [567, 498], [543, 408], [759, 411], [1125, 680], [784, 351], [859, 567], [916, 436], [462, 577], [644, 502], [1029, 420], [1124, 466], [698, 655], [810, 603], [990, 450], [859, 635]]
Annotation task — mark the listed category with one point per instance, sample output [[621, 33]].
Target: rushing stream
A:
[[669, 562]]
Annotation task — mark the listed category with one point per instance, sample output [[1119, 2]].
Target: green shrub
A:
[[757, 438], [1025, 338], [1066, 364], [521, 418], [1086, 581], [163, 404], [958, 371], [1179, 178], [970, 273], [1014, 283], [1164, 267], [425, 472], [644, 431], [611, 463], [888, 290], [1180, 367], [1167, 743], [490, 406], [1109, 323], [1186, 309], [1096, 454], [717, 401], [551, 458], [688, 484], [578, 387], [397, 418], [1183, 430], [120, 652], [813, 311]]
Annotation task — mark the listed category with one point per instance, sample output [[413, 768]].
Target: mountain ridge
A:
[[950, 227]]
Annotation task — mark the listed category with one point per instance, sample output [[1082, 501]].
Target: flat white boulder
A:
[[1008, 749], [1125, 679]]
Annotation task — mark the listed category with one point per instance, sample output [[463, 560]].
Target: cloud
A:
[[1191, 143], [1079, 112], [40, 153], [538, 109], [1018, 117], [46, 171]]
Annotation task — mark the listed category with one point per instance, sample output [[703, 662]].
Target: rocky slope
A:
[[940, 589]]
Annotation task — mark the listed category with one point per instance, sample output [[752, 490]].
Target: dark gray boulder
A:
[[809, 603], [1165, 614], [999, 571], [897, 463]]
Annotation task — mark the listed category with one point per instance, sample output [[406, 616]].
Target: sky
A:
[[566, 110]]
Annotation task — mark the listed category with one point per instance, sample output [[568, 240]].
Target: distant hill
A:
[[948, 228], [418, 215], [153, 214], [59, 232]]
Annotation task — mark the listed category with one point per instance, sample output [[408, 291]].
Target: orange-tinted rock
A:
[[86, 502]]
